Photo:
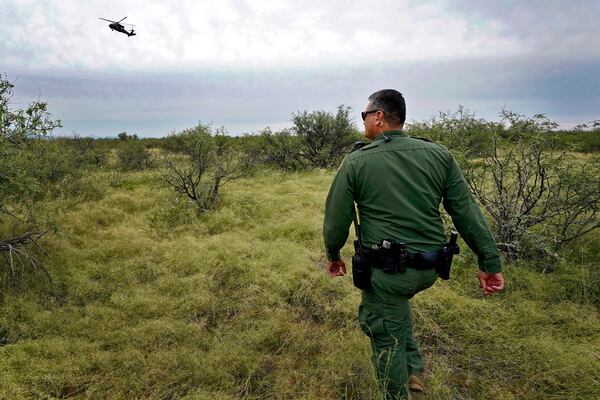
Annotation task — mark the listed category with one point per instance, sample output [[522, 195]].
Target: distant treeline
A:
[[537, 195], [447, 128]]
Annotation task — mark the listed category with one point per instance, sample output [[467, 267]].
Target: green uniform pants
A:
[[384, 316]]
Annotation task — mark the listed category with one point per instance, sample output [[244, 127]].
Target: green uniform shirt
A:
[[398, 186]]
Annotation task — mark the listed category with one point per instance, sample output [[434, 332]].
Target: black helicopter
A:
[[117, 26]]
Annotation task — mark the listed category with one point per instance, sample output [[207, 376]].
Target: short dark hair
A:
[[392, 103]]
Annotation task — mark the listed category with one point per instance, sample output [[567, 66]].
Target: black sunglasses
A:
[[365, 113]]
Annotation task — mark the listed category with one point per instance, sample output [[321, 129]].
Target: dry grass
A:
[[151, 301]]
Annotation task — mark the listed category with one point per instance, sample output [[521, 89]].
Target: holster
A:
[[450, 248], [361, 268]]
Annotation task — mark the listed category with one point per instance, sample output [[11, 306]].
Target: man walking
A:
[[397, 184]]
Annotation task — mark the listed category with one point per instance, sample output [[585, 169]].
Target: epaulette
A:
[[371, 145], [421, 138], [359, 145], [363, 146]]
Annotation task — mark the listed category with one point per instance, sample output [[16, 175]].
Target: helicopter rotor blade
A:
[[122, 19], [108, 20]]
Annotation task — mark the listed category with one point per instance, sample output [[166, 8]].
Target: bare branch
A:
[[15, 254]]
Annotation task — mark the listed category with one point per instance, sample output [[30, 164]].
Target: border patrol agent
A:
[[397, 184]]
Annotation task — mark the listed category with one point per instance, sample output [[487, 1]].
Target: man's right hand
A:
[[336, 268], [490, 283]]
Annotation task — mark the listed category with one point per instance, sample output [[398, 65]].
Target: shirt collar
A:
[[389, 134]]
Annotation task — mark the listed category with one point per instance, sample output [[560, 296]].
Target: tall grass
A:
[[151, 301]]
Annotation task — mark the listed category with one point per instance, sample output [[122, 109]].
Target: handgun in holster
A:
[[450, 249]]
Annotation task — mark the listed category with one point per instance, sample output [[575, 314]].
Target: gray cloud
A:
[[249, 64], [156, 104], [546, 27]]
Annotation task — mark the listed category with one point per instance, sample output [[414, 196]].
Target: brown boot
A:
[[415, 384]]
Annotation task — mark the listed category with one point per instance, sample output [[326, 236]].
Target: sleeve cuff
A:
[[490, 265], [333, 255]]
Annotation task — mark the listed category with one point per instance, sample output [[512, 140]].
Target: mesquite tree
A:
[[317, 139], [207, 164], [19, 183], [281, 149], [460, 130], [539, 198], [325, 138]]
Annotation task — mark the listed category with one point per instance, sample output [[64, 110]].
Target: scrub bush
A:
[[22, 181], [280, 150], [317, 139], [325, 138], [460, 131], [88, 151], [21, 131], [55, 161], [584, 138], [210, 162], [133, 156], [539, 199]]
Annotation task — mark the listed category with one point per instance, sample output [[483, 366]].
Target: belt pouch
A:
[[394, 259]]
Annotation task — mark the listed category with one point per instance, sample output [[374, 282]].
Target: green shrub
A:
[[317, 139], [280, 150], [586, 141], [54, 161], [460, 131], [539, 199], [20, 133], [210, 162], [88, 151], [22, 178], [325, 138], [133, 156]]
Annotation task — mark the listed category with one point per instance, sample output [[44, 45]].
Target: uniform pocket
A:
[[427, 280], [370, 323]]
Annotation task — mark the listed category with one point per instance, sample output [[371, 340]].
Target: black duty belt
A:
[[395, 258], [422, 261]]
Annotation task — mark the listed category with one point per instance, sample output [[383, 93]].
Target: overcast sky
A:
[[250, 64]]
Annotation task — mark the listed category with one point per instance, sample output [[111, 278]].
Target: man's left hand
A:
[[336, 268], [490, 283]]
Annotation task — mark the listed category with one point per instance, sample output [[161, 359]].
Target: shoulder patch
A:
[[421, 138]]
